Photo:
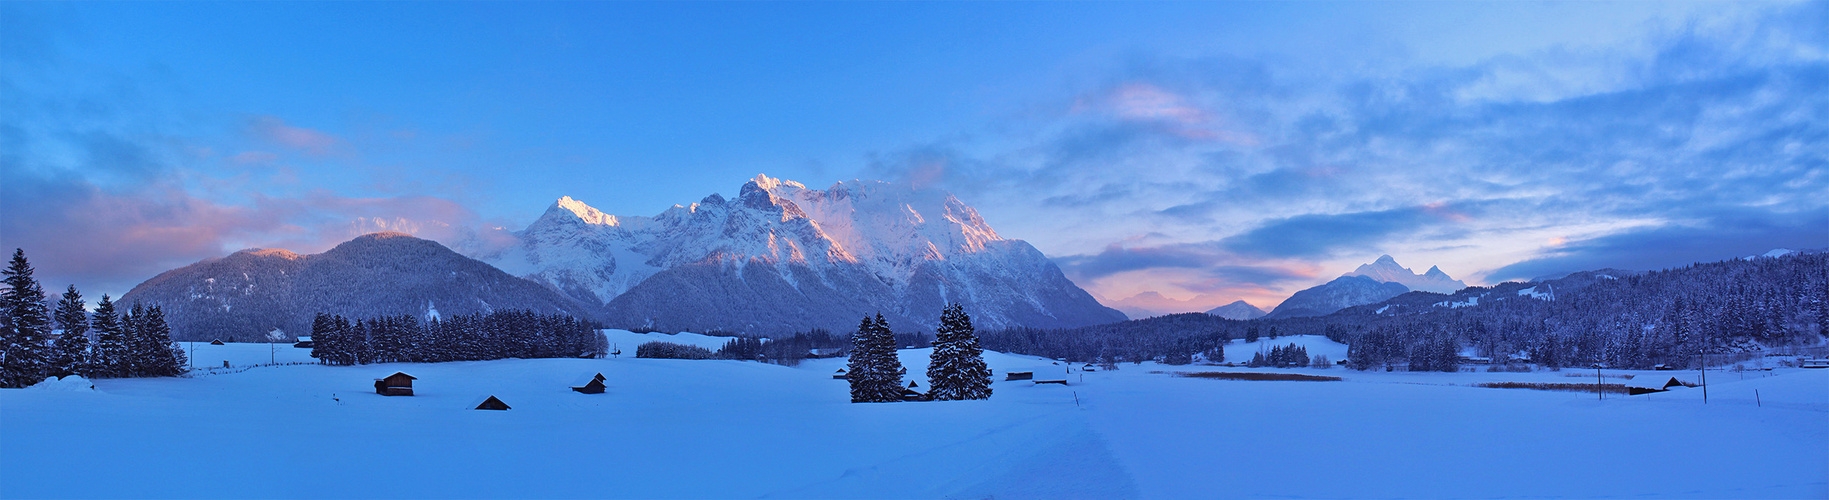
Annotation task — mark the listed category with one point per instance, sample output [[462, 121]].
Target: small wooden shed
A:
[[1019, 376], [304, 342], [591, 385], [839, 375], [491, 403], [1814, 363], [216, 342], [1646, 384], [398, 384]]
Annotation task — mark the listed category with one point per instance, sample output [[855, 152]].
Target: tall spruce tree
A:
[[159, 356], [860, 370], [956, 370], [132, 323], [874, 371], [108, 356], [72, 349], [25, 358]]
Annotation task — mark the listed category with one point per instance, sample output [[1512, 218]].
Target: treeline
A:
[[103, 344], [1620, 318], [468, 337], [1290, 356]]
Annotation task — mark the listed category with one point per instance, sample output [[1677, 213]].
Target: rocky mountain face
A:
[[1237, 310], [1342, 292], [780, 257], [1386, 269], [246, 295]]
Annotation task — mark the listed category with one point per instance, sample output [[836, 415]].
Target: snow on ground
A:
[[1239, 351], [726, 429], [628, 341], [241, 355]]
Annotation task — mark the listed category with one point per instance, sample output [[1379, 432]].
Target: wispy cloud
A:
[[309, 141]]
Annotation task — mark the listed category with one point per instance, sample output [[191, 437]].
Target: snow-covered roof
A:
[[1656, 380]]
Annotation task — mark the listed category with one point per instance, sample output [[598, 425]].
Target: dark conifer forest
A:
[[1623, 319]]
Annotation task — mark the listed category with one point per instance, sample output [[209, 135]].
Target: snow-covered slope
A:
[[250, 293], [1387, 270], [1237, 310], [780, 257], [1341, 293]]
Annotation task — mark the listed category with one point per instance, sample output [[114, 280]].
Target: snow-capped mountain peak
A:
[[583, 212], [922, 245], [1387, 270]]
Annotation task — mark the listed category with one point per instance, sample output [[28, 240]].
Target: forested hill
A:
[[1623, 318]]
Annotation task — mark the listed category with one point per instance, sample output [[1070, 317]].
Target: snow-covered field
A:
[[728, 429]]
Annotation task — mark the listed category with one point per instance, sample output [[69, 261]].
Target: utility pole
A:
[[1704, 356], [1597, 381]]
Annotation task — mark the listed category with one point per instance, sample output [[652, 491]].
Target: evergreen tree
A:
[[320, 338], [957, 369], [150, 352], [25, 350], [874, 371], [134, 363], [108, 358], [72, 349]]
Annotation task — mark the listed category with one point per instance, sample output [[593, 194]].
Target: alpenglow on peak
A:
[[751, 262], [1387, 270]]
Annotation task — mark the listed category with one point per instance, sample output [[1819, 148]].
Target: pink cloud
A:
[[253, 158], [107, 242], [312, 142], [1169, 112]]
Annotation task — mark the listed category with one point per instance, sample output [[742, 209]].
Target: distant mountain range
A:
[[1237, 310], [1386, 270], [1382, 279], [780, 257], [246, 295], [777, 258]]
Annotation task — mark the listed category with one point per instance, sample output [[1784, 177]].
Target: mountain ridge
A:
[[245, 295], [828, 256]]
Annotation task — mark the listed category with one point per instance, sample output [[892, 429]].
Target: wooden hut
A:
[[1814, 363], [910, 394], [216, 342], [590, 385], [304, 342], [840, 375], [491, 403], [398, 384], [1019, 376], [1646, 384]]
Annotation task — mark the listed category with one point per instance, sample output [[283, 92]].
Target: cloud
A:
[[1320, 235], [1750, 232], [78, 233], [276, 131]]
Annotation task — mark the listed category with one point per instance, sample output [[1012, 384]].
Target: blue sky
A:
[[1205, 151]]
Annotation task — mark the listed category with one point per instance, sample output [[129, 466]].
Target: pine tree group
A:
[[874, 370], [471, 337], [957, 370], [135, 345]]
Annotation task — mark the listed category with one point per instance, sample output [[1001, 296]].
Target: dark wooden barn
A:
[[1646, 384], [591, 385], [305, 342], [840, 375], [910, 394], [491, 403], [216, 342], [1019, 376], [398, 384]]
